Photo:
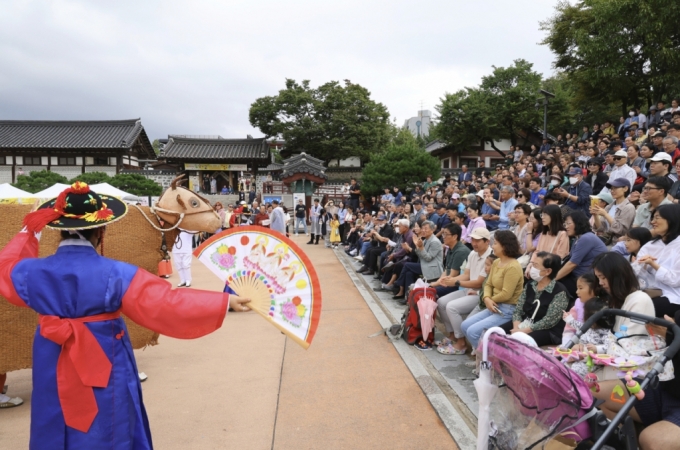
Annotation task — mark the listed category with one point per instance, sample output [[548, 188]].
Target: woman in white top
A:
[[522, 227], [658, 261]]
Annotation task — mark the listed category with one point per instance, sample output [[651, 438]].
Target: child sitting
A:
[[586, 287], [596, 339]]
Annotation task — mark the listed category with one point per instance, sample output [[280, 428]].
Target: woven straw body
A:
[[131, 240]]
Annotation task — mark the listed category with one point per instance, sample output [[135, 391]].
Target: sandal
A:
[[450, 350], [423, 345]]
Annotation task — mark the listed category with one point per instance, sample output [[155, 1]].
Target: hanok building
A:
[[225, 159], [71, 148]]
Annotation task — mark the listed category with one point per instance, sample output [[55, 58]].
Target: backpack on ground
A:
[[409, 326]]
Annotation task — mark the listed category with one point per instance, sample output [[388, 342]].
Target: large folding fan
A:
[[272, 271]]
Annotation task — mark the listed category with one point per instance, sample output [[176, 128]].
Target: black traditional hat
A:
[[76, 208]]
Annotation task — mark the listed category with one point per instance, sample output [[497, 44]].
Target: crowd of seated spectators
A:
[[598, 205]]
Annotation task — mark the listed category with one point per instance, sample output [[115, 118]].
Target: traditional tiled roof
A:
[[303, 163], [65, 134], [180, 148]]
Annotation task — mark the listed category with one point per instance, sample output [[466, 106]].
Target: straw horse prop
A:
[[135, 239]]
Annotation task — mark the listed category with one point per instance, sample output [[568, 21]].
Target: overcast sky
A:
[[194, 67]]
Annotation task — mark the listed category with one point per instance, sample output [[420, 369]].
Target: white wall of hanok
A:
[[353, 161]]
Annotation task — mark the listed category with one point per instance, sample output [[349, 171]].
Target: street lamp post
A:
[[545, 103]]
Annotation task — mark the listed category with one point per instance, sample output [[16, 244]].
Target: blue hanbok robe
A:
[[77, 283]]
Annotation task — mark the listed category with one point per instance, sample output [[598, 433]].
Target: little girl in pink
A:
[[586, 287]]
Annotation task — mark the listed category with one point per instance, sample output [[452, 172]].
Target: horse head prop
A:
[[188, 210]]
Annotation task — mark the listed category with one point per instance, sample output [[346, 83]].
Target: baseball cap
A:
[[619, 182], [480, 233], [605, 197], [621, 153], [243, 202], [381, 217], [662, 156], [455, 195], [575, 171]]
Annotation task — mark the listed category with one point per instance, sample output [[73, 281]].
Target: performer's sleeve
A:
[[180, 313], [23, 245]]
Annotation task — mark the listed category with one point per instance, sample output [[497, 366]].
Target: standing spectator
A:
[[342, 214], [501, 291], [479, 171], [464, 175], [517, 154], [595, 178], [315, 215], [213, 185], [252, 195], [300, 217], [578, 194], [354, 194], [553, 238], [182, 253], [278, 218], [586, 247], [621, 169]]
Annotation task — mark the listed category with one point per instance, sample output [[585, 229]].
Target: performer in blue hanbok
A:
[[86, 391]]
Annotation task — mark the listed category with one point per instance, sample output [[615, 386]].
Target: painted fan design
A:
[[273, 272]]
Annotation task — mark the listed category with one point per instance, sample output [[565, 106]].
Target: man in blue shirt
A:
[[489, 213], [577, 197], [506, 205], [537, 193]]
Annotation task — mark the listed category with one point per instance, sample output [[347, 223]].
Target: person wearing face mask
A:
[[541, 304], [577, 196]]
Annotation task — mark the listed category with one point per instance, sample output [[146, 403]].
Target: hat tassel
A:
[[36, 221]]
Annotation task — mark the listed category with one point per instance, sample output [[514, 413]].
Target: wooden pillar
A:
[[14, 167], [82, 165]]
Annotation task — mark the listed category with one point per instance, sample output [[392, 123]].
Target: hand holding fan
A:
[[273, 272]]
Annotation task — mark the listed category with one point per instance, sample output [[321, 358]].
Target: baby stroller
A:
[[527, 397], [622, 424]]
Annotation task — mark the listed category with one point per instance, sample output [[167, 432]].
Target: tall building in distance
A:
[[419, 125]]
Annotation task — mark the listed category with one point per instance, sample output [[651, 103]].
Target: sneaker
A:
[[142, 377], [9, 402], [359, 258], [187, 284], [182, 284], [353, 252]]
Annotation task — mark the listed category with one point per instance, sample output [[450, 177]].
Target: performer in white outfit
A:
[[182, 254]]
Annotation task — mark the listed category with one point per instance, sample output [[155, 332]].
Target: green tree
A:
[[624, 51], [39, 181], [402, 164], [333, 121], [135, 184], [501, 106], [156, 144], [568, 112], [92, 178]]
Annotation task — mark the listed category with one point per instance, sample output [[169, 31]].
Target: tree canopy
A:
[[624, 51], [501, 106], [135, 184], [39, 181], [333, 121], [402, 164]]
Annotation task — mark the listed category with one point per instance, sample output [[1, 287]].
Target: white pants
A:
[[452, 307], [183, 266]]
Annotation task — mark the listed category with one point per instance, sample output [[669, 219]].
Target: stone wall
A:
[[341, 175]]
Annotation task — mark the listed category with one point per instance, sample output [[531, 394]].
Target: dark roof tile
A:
[[189, 148]]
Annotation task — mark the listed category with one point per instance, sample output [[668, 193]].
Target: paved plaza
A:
[[247, 386]]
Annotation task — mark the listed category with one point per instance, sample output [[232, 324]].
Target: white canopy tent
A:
[[52, 191], [9, 191], [107, 189]]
